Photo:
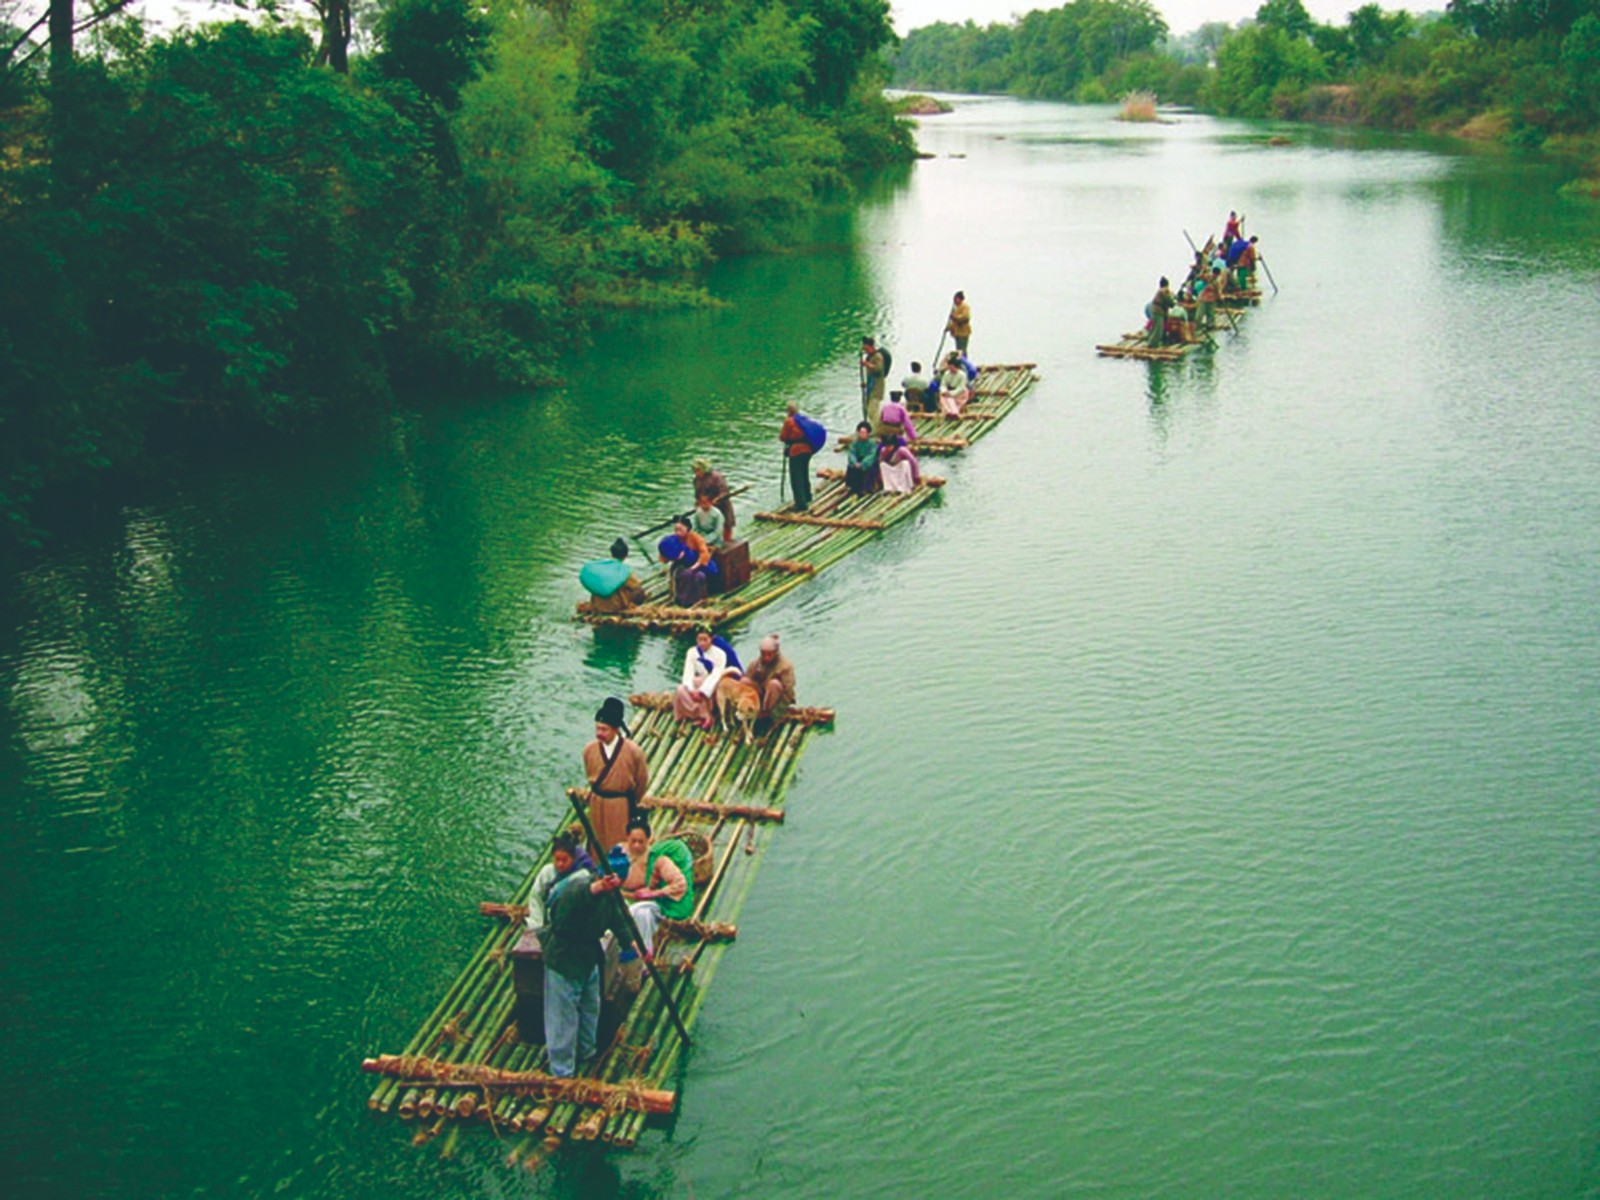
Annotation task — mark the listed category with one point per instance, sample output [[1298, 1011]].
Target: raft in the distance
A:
[[787, 547], [468, 1065]]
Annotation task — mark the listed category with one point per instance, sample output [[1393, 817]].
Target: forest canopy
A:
[[259, 223]]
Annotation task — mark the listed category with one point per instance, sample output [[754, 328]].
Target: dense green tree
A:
[[1512, 19], [1580, 64], [1289, 16], [1260, 63], [435, 45], [841, 36]]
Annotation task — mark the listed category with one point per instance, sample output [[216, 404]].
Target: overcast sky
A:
[[1181, 15]]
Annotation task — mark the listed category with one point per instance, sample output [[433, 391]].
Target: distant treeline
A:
[[246, 226], [1528, 70]]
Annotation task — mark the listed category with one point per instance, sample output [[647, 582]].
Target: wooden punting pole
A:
[[745, 812]]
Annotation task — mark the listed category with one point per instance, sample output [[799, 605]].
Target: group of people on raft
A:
[[1190, 314], [880, 457], [567, 906]]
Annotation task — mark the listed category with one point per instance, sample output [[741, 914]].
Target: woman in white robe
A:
[[703, 668]]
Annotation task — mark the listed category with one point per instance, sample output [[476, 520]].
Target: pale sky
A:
[[1181, 15]]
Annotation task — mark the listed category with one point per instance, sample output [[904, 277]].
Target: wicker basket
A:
[[700, 851]]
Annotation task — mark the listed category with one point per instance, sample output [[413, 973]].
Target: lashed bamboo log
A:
[[577, 1090]]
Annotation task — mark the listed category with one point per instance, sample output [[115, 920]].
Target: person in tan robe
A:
[[773, 675], [618, 776]]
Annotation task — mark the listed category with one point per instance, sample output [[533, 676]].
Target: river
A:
[[1212, 808]]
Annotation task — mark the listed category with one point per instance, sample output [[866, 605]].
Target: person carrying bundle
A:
[[612, 586], [798, 436], [618, 775], [704, 665], [660, 881]]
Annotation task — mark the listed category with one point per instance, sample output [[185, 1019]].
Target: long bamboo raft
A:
[[996, 391], [787, 547], [466, 1065]]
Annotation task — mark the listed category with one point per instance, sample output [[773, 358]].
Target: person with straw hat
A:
[[618, 776]]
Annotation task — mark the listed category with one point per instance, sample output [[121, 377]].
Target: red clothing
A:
[[794, 439]]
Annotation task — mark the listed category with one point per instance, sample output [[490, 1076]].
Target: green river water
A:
[[1214, 804]]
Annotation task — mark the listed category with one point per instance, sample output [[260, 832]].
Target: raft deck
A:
[[786, 549], [465, 1065], [996, 391], [1133, 345]]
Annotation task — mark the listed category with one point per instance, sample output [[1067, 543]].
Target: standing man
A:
[[618, 776], [797, 449], [959, 326], [873, 369], [578, 916], [773, 675], [714, 484], [1158, 308]]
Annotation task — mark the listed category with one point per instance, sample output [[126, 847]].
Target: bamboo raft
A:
[[787, 547], [996, 391], [465, 1065], [1134, 345]]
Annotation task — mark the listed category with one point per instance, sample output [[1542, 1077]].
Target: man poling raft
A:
[[618, 776]]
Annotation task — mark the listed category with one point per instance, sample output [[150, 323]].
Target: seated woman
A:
[[689, 559], [660, 880], [706, 520], [612, 587], [954, 386], [861, 472], [894, 420], [898, 468], [703, 667]]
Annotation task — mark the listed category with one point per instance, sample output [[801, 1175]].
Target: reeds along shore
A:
[[787, 548], [465, 1064]]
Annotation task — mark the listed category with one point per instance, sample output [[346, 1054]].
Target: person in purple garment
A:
[[894, 420]]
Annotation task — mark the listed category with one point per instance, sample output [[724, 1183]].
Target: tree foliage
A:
[[1052, 53], [213, 230]]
